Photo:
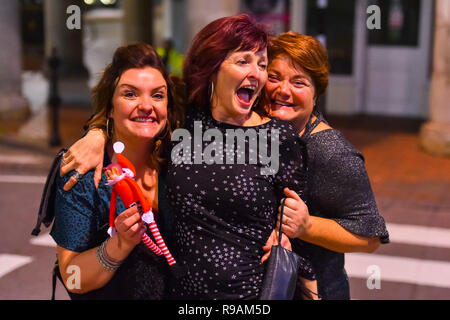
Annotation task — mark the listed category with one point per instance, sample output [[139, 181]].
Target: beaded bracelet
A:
[[105, 260]]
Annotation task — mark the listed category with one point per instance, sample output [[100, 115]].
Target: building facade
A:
[[387, 57]]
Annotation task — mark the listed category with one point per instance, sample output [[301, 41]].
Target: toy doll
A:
[[121, 175]]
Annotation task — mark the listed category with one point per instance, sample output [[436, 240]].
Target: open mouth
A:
[[245, 94]]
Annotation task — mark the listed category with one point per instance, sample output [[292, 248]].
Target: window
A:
[[399, 23], [334, 19]]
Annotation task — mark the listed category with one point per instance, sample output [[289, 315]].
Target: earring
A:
[[212, 91], [255, 104], [109, 129], [162, 137]]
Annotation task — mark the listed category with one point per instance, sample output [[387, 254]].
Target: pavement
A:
[[411, 189]]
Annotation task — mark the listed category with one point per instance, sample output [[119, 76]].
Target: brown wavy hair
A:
[[139, 55], [305, 51]]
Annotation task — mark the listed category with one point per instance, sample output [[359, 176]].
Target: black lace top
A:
[[224, 210]]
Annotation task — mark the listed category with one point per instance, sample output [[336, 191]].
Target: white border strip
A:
[[405, 270], [22, 179], [44, 240], [419, 235], [11, 262], [19, 159]]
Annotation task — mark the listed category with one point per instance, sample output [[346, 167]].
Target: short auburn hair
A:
[[139, 55], [305, 51], [211, 46]]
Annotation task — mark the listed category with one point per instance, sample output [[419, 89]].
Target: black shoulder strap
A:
[[55, 275], [46, 209], [310, 126]]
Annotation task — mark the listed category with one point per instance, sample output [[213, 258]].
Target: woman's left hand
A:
[[273, 241], [296, 218]]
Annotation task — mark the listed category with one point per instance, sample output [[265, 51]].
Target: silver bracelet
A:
[[105, 260]]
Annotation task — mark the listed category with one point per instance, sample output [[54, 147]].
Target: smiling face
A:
[[139, 105], [290, 92], [237, 84]]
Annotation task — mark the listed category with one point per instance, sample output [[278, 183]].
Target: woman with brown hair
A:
[[339, 199], [134, 101]]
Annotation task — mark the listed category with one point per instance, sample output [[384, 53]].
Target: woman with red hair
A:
[[225, 210]]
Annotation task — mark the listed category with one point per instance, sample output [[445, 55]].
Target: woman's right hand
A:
[[130, 228], [84, 155]]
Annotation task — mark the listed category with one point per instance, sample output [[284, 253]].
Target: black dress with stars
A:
[[225, 211]]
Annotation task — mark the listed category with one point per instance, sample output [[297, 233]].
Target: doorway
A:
[[397, 75]]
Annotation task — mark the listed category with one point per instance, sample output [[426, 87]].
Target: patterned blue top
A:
[[81, 223]]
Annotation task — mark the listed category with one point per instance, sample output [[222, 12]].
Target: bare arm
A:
[[92, 275], [327, 233], [84, 155], [331, 235]]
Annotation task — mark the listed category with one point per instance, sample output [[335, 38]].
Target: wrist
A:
[[105, 260], [97, 133], [306, 234], [119, 249]]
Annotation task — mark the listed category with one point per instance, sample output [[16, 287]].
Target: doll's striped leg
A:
[[150, 244], [160, 241]]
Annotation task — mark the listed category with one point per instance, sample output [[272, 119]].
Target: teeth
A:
[[283, 103], [144, 120], [249, 87]]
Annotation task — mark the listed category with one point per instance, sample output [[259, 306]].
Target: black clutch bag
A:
[[280, 278]]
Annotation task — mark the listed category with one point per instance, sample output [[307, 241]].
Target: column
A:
[[435, 134], [298, 15], [201, 12], [68, 43], [137, 21], [13, 106]]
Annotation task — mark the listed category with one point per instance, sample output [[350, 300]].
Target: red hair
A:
[[305, 51], [211, 46]]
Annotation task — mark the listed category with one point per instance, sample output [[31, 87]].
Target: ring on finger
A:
[[77, 175]]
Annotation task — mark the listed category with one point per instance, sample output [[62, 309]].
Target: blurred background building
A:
[[388, 93], [400, 69]]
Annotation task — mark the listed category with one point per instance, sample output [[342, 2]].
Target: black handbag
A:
[[46, 209], [280, 278]]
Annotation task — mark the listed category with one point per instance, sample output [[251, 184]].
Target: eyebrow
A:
[[128, 85], [135, 88], [298, 76], [248, 54]]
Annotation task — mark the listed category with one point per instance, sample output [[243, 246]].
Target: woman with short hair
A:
[[339, 198]]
